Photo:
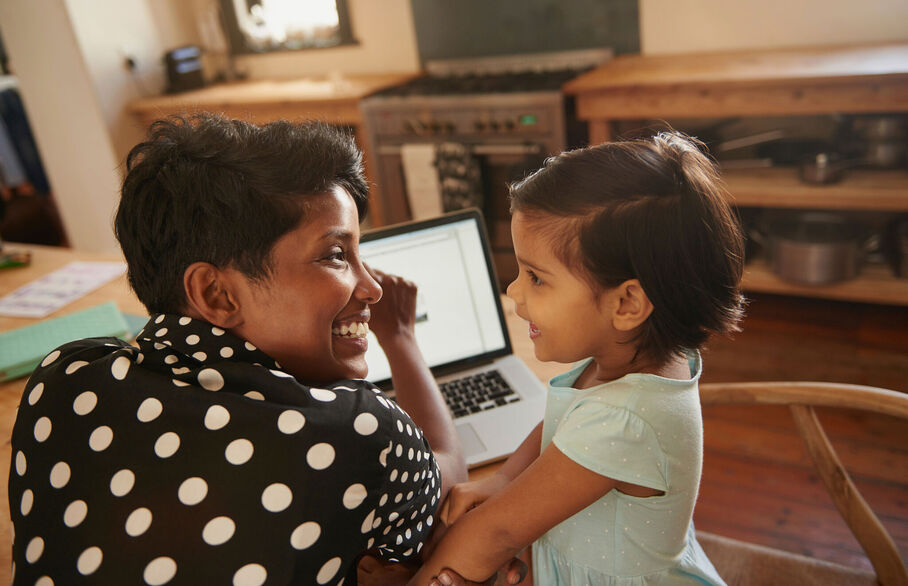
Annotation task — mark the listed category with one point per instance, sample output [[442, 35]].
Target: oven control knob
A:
[[449, 127], [434, 127], [479, 125], [509, 125], [414, 126], [493, 125]]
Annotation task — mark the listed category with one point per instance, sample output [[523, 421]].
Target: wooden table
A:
[[335, 101], [47, 259]]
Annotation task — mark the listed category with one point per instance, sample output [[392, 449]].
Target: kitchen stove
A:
[[505, 113]]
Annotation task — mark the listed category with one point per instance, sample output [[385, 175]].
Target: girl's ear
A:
[[211, 295], [633, 306]]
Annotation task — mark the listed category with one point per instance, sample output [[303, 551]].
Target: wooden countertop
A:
[[308, 95], [46, 259]]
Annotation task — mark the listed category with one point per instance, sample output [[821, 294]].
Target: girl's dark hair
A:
[[207, 188], [654, 210]]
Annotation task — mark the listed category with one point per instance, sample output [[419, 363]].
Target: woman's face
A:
[[311, 314]]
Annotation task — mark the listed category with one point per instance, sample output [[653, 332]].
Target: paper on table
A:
[[54, 290], [421, 175]]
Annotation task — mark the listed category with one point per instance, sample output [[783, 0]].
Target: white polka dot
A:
[[200, 356], [59, 475], [255, 395], [170, 359], [239, 451], [44, 581], [219, 530], [122, 482], [34, 550], [400, 428], [305, 535], [89, 561], [167, 445], [276, 497], [365, 424], [159, 346], [42, 429], [192, 491], [403, 477], [328, 571], [180, 370], [138, 522], [323, 394], [226, 352], [320, 456], [250, 347], [192, 339], [50, 357], [74, 366], [28, 499], [290, 421], [100, 438], [354, 496], [210, 379], [139, 358], [36, 393], [250, 575], [21, 464], [120, 367], [409, 455], [75, 513], [85, 403], [179, 383], [160, 571], [217, 331], [149, 410], [159, 319], [281, 374], [216, 417], [184, 321], [160, 332]]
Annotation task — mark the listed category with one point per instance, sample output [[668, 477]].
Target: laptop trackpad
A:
[[469, 440]]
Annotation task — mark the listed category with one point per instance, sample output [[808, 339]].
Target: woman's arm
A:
[[550, 490]]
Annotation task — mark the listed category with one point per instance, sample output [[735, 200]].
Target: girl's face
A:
[[318, 285], [569, 321]]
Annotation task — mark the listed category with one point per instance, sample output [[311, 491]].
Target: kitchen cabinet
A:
[[335, 101], [860, 79]]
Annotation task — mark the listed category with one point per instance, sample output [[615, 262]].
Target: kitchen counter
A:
[[332, 100]]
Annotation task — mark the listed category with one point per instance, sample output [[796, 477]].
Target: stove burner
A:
[[530, 81]]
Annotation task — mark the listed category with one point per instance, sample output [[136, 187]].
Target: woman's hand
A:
[[467, 495], [395, 313]]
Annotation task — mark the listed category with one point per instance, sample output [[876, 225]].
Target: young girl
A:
[[629, 258]]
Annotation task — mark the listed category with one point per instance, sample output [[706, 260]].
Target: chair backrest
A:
[[801, 398]]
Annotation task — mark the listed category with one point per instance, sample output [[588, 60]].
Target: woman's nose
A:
[[367, 289]]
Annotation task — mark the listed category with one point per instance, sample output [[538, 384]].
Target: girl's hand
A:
[[467, 495], [395, 313], [514, 572]]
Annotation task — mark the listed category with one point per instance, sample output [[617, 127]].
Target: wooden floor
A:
[[758, 484]]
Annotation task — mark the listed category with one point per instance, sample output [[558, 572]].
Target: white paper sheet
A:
[[421, 176], [54, 290]]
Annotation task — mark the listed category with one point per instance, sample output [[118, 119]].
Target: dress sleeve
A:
[[614, 442], [408, 488]]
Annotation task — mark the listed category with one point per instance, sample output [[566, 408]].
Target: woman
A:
[[236, 442]]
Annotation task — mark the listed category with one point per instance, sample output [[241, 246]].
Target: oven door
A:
[[499, 164]]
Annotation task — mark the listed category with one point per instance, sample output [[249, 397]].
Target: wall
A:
[[66, 117], [387, 44], [686, 26]]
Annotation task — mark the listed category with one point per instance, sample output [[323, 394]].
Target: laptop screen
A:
[[459, 319]]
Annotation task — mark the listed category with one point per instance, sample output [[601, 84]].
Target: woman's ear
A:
[[633, 306], [211, 295]]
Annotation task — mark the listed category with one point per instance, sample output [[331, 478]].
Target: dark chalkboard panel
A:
[[455, 29]]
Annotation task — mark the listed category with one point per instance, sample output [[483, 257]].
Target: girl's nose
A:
[[512, 291], [367, 289]]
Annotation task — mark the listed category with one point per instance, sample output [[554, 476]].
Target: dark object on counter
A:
[[184, 69], [823, 168], [816, 248], [895, 245]]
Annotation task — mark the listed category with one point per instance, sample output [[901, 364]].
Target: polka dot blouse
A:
[[193, 459]]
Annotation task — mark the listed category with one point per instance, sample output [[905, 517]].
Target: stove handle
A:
[[482, 149]]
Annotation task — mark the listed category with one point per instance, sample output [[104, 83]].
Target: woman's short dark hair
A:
[[207, 188], [655, 210]]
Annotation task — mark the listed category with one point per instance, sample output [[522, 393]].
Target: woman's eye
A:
[[337, 256]]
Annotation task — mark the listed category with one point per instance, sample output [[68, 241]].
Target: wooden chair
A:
[[741, 563]]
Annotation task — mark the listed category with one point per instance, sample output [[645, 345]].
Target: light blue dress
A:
[[646, 430]]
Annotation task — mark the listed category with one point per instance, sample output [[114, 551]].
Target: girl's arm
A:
[[550, 490]]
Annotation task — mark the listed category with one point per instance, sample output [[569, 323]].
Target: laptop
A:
[[494, 397]]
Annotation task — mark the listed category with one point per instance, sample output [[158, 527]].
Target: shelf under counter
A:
[[780, 187], [876, 283]]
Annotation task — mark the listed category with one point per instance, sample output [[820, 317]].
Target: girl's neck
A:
[[600, 371]]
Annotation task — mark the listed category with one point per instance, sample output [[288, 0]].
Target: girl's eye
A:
[[533, 278]]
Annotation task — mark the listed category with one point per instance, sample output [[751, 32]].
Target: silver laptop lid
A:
[[459, 321]]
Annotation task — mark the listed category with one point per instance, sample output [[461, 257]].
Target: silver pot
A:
[[816, 248]]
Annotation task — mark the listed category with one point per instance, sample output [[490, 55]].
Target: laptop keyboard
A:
[[477, 392]]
